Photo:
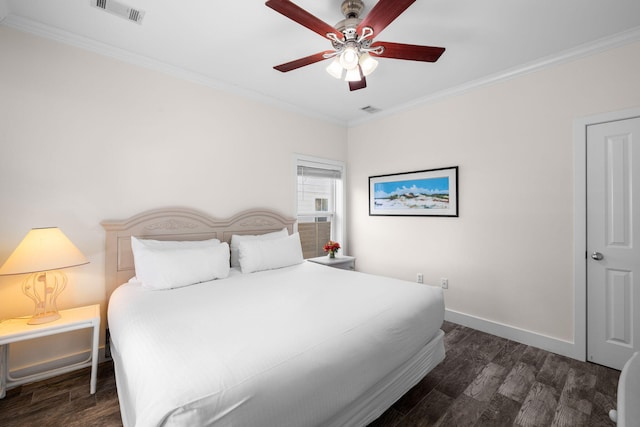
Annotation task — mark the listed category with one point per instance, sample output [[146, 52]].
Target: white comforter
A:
[[288, 347]]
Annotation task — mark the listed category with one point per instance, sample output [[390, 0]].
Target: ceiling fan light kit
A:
[[349, 57], [367, 63], [352, 39], [335, 68], [353, 75]]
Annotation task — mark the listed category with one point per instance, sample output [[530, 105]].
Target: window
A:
[[320, 203]]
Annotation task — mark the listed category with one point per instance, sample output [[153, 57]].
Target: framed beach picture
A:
[[431, 192]]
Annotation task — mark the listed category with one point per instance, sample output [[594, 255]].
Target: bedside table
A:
[[344, 262], [14, 330]]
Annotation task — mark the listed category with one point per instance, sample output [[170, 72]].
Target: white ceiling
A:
[[234, 44]]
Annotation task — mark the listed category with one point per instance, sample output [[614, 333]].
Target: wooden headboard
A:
[[178, 224]]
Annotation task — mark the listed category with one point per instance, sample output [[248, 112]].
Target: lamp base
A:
[[43, 318], [43, 289]]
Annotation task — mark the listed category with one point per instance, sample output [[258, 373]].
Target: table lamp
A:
[[42, 252]]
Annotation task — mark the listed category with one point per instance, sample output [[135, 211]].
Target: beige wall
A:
[[509, 256], [86, 138]]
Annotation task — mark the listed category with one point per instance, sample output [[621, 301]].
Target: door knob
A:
[[597, 256]]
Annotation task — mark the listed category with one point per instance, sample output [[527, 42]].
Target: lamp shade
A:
[[353, 75], [43, 249], [349, 58], [367, 63], [335, 69]]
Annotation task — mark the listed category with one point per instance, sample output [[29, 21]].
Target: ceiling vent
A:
[[119, 9], [370, 109]]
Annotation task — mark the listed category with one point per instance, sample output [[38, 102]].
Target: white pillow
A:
[[174, 267], [236, 239], [173, 244], [258, 255]]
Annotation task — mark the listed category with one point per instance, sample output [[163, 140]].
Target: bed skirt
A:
[[362, 412], [373, 404]]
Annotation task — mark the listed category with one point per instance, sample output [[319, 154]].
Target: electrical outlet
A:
[[420, 278], [444, 282]]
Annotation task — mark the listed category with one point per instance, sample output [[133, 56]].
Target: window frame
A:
[[338, 219]]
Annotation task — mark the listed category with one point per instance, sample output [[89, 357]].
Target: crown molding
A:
[[65, 37], [587, 49]]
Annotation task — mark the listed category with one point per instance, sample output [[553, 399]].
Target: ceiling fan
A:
[[352, 39]]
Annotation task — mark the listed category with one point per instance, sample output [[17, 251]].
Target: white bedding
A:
[[297, 346]]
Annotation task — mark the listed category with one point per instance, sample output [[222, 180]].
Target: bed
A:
[[299, 344]]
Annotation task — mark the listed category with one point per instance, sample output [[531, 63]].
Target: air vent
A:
[[370, 109], [119, 9]]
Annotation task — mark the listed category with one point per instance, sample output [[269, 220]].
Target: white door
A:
[[613, 241]]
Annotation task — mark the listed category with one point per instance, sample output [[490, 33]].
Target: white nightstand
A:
[[344, 262], [14, 330]]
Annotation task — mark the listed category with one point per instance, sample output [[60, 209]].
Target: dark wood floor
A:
[[484, 381], [490, 381]]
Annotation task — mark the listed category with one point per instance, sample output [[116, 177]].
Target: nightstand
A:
[[344, 262], [14, 330]]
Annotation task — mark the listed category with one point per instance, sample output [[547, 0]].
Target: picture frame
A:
[[432, 192]]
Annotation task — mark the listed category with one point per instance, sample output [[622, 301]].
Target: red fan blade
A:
[[410, 52], [308, 60], [384, 13], [358, 85], [302, 17]]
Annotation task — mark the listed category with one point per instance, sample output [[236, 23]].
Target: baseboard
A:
[[554, 345]]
